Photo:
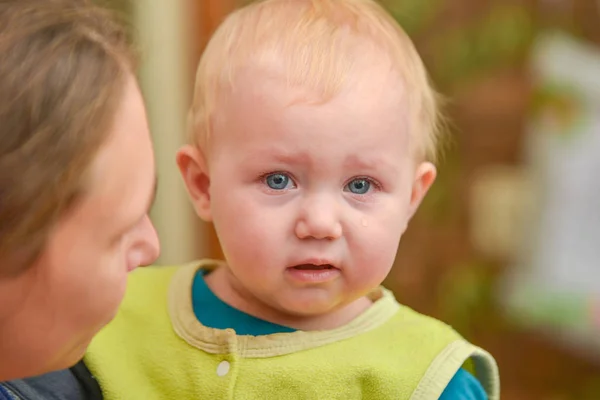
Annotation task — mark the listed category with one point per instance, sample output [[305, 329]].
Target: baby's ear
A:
[[194, 171], [424, 177]]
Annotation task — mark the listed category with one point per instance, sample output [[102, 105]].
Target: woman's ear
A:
[[194, 171]]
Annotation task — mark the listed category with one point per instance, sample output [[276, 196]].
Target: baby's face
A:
[[310, 201]]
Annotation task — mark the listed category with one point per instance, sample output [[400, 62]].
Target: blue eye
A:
[[277, 181], [358, 186]]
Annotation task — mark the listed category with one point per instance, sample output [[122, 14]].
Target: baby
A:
[[313, 135]]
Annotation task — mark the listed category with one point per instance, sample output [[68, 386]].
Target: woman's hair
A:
[[63, 66]]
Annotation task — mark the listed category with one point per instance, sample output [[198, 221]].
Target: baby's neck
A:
[[220, 283]]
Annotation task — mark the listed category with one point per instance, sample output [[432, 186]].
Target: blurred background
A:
[[506, 247]]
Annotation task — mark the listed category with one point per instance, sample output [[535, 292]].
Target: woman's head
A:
[[76, 179]]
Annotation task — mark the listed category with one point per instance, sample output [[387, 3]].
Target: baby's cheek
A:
[[376, 249], [247, 238], [247, 247], [377, 256]]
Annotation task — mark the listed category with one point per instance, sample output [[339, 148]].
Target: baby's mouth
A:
[[313, 273], [313, 267]]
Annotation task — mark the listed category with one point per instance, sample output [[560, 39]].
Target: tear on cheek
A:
[[364, 222]]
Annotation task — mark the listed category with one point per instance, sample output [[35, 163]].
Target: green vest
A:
[[157, 349]]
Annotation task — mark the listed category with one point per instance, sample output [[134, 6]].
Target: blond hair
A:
[[306, 36], [62, 71]]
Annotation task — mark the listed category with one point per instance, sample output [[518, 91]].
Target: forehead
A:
[[368, 110]]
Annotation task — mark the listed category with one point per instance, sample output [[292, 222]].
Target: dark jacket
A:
[[76, 383]]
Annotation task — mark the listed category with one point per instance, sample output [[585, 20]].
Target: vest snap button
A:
[[223, 368]]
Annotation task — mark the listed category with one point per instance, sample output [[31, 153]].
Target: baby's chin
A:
[[320, 314]]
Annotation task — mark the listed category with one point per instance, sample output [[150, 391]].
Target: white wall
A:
[[161, 29]]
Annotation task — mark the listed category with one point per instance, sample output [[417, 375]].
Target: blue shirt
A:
[[220, 315], [4, 394]]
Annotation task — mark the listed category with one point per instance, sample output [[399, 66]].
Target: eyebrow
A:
[[369, 164], [292, 157], [284, 156]]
